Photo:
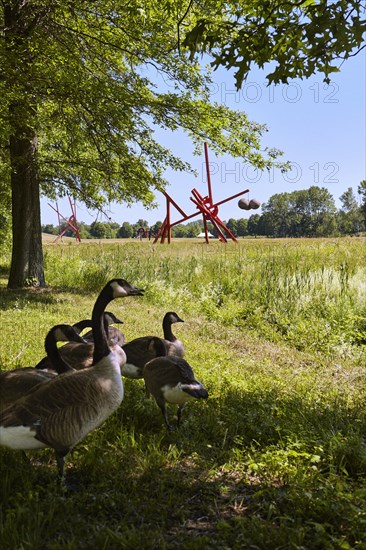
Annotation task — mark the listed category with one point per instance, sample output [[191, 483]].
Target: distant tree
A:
[[253, 224], [264, 228], [125, 231], [348, 200], [362, 192], [84, 230], [180, 231], [154, 229], [321, 211], [193, 230], [304, 213], [141, 223], [50, 229], [242, 227], [100, 230], [277, 216], [114, 225], [232, 225], [350, 218]]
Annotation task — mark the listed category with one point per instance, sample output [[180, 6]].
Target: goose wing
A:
[[137, 351], [65, 409], [115, 336], [78, 356], [19, 382]]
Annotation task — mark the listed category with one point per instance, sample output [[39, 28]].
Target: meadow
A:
[[274, 459]]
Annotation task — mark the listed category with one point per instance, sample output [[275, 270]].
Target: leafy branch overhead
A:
[[97, 92], [298, 38]]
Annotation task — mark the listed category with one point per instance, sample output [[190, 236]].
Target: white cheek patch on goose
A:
[[176, 394], [118, 290], [19, 437]]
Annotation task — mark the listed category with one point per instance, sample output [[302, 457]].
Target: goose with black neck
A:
[[62, 412]]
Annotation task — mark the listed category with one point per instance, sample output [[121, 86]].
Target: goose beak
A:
[[134, 291], [122, 288]]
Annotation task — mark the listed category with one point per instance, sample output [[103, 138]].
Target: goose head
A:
[[61, 333], [115, 288], [109, 319], [171, 317]]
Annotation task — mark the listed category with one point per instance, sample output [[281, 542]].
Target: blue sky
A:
[[320, 128]]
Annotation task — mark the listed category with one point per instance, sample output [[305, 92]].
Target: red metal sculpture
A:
[[71, 222], [205, 206]]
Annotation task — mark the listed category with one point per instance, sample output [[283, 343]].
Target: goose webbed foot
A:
[[71, 482]]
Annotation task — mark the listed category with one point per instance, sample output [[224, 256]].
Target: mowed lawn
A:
[[274, 459]]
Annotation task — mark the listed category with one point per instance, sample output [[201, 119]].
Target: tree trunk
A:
[[27, 255]]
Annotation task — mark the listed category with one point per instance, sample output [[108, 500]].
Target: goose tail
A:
[[195, 390]]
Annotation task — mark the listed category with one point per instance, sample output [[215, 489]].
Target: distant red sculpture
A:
[[205, 206], [71, 222]]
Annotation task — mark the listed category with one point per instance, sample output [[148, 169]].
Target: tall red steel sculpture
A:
[[71, 222], [206, 207]]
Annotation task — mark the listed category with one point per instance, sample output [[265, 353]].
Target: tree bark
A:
[[27, 254]]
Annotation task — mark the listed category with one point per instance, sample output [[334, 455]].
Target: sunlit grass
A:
[[311, 293], [276, 457]]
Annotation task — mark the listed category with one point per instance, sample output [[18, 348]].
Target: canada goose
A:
[[115, 336], [16, 383], [80, 355], [170, 379], [62, 412], [138, 351]]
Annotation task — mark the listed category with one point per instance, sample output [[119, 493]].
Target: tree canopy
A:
[[305, 213], [300, 38], [90, 81]]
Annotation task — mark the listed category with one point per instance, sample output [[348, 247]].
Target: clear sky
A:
[[320, 128]]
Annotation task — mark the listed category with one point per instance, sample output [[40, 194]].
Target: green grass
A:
[[275, 458]]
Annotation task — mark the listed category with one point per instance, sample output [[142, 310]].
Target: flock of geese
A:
[[77, 386]]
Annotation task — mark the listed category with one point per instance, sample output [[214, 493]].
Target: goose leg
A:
[[60, 459], [165, 415], [179, 414], [26, 458]]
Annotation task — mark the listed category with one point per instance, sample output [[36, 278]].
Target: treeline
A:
[[311, 213], [305, 213], [106, 230]]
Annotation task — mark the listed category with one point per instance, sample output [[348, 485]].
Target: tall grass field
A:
[[274, 459]]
